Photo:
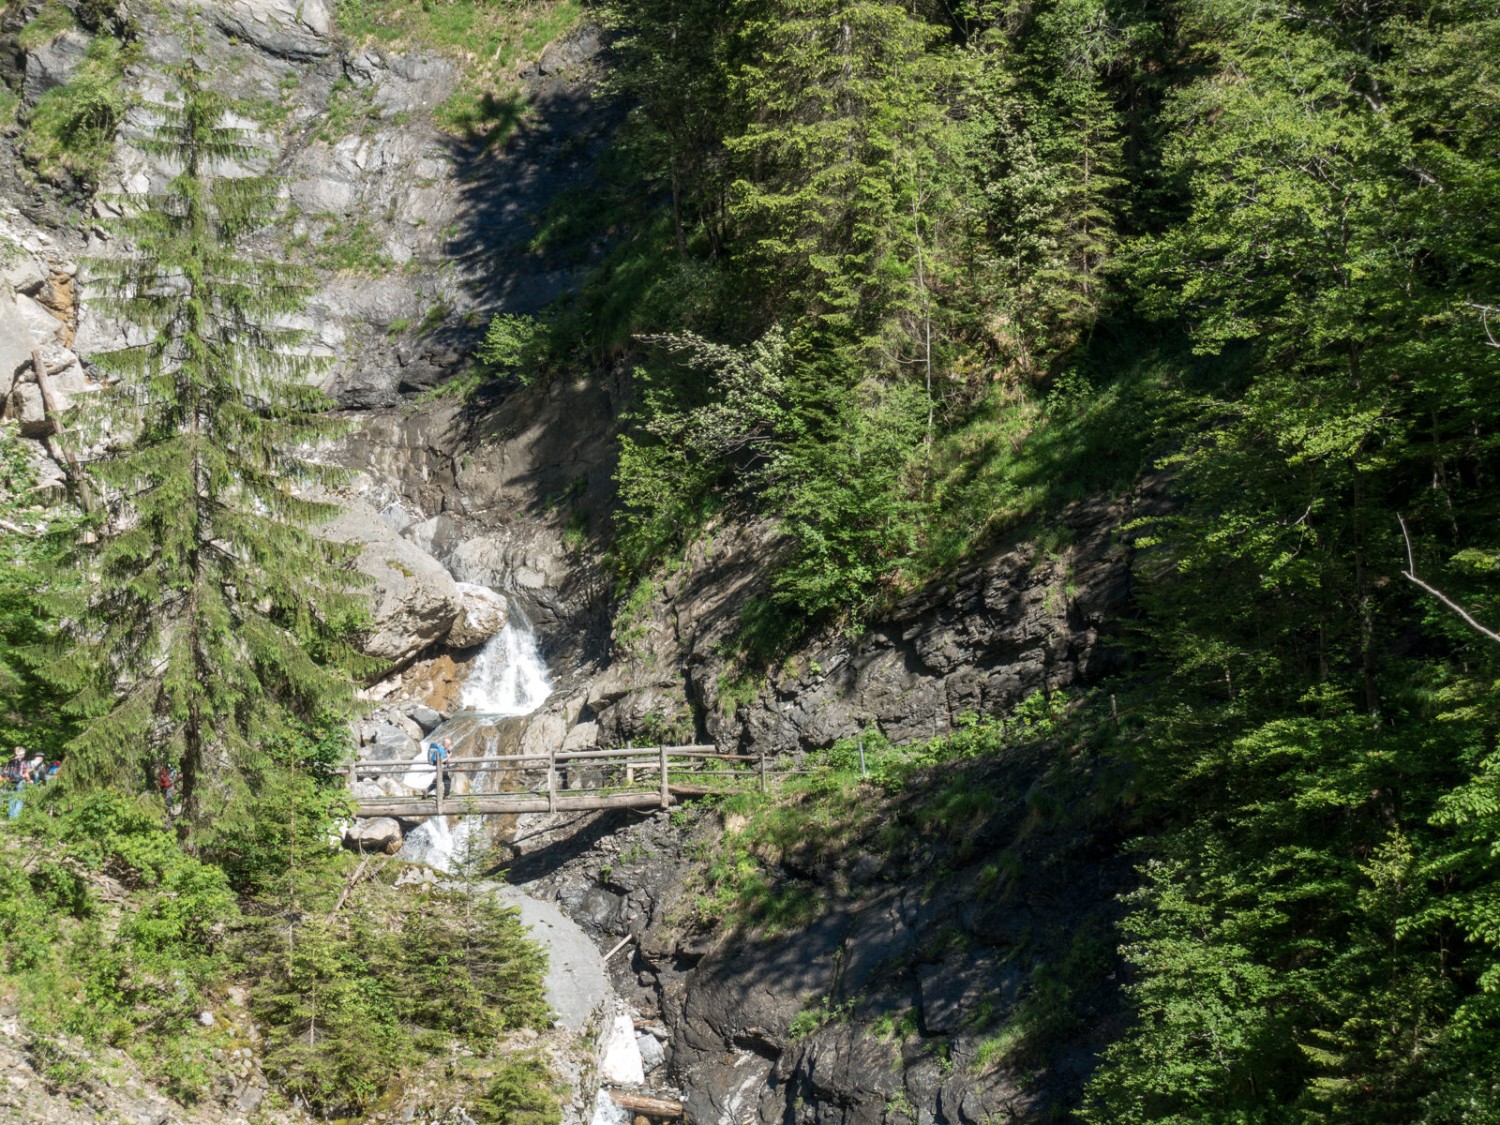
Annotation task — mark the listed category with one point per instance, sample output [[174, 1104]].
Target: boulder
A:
[[619, 1058], [482, 615], [374, 834], [26, 407], [425, 717], [413, 601], [44, 327], [23, 271], [652, 1055]]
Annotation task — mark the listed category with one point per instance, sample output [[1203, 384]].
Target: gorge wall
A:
[[917, 948]]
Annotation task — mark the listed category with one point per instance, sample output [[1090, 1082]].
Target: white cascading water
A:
[[508, 679]]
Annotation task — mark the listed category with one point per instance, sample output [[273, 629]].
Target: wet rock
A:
[[481, 616]]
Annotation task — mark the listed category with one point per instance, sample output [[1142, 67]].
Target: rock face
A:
[[289, 29], [413, 600], [885, 988]]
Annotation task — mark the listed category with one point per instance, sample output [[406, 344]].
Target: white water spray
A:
[[508, 677]]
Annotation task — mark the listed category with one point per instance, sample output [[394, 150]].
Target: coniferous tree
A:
[[211, 619]]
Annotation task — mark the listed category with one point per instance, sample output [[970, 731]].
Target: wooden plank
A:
[[501, 803], [650, 1107]]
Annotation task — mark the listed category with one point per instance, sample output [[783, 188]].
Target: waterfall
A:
[[508, 678]]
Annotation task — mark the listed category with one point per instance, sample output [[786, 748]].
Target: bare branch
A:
[[1410, 573], [1484, 319]]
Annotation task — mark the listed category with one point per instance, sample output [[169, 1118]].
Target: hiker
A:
[[16, 776], [166, 778], [36, 769], [440, 753]]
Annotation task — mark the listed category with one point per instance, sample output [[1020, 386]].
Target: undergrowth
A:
[[111, 935], [842, 805]]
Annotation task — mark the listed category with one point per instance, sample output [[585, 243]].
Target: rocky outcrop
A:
[[885, 995], [481, 615], [1023, 619], [413, 601], [288, 29]]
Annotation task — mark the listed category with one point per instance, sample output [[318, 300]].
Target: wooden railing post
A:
[[552, 780], [666, 797], [437, 785], [763, 785], [352, 777]]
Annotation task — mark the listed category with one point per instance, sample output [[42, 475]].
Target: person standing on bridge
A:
[[439, 754]]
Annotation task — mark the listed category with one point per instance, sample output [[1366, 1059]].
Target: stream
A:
[[508, 682]]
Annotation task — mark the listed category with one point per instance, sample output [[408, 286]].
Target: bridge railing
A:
[[632, 776]]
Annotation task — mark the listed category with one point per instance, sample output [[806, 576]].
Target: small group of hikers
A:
[[440, 754], [22, 771]]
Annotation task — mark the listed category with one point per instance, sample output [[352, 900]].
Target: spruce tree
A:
[[209, 624]]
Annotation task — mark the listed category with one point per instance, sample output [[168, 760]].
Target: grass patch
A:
[[354, 249], [71, 129], [351, 109], [487, 39], [47, 25]]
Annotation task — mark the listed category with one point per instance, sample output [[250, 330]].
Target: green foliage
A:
[[71, 129], [515, 345], [1309, 941], [30, 712], [110, 932], [212, 621], [350, 1001], [525, 1092]]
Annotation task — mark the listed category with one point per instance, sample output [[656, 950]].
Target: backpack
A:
[[436, 753]]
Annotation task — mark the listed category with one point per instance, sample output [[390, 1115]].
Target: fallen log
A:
[[651, 1107]]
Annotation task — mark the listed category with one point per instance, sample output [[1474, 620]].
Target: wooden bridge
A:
[[563, 781]]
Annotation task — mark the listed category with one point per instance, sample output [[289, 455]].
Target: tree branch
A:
[[1411, 573]]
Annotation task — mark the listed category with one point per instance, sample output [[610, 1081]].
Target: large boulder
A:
[[413, 600], [374, 834], [482, 615]]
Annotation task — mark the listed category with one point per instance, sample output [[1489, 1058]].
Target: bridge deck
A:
[[632, 778]]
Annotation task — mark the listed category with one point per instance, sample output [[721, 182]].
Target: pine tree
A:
[[211, 617]]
